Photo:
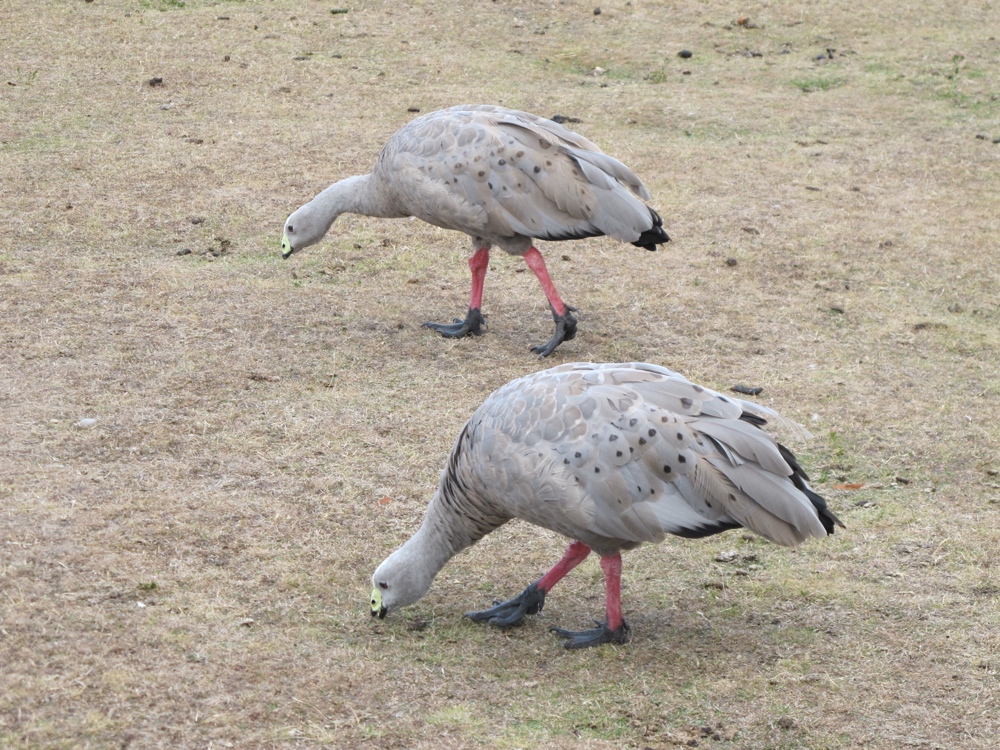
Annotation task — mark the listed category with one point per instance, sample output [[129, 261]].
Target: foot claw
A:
[[595, 636], [565, 331], [473, 325], [511, 613]]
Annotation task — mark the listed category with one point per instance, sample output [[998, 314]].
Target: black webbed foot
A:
[[473, 325], [595, 636], [511, 613], [565, 331]]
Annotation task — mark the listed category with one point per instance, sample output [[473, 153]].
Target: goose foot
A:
[[565, 331], [471, 326], [511, 613], [594, 637]]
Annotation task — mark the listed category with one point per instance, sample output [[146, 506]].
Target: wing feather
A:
[[746, 441]]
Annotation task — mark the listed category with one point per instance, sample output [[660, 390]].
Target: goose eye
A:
[[383, 585], [291, 229]]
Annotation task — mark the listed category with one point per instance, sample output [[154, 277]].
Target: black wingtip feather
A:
[[826, 516], [799, 479], [653, 236], [757, 421]]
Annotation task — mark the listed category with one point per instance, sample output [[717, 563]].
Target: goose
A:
[[503, 177], [610, 456]]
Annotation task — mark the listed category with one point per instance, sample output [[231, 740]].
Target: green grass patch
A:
[[814, 84]]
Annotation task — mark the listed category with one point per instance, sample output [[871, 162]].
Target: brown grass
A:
[[192, 571]]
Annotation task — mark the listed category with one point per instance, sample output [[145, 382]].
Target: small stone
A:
[[417, 624], [597, 11], [185, 251], [727, 556], [685, 53], [732, 262], [85, 424]]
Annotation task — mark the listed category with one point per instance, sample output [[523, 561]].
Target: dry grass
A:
[[192, 571]]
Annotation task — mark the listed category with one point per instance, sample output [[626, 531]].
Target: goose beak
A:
[[378, 609], [286, 247]]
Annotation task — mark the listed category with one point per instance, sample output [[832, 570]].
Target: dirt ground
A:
[[205, 450]]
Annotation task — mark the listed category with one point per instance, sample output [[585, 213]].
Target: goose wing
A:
[[622, 454]]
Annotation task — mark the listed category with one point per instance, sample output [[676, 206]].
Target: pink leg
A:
[[612, 566], [614, 629], [532, 599], [474, 321], [478, 264], [576, 553], [534, 260]]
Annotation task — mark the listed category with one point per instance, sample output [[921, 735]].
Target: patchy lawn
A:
[[205, 450]]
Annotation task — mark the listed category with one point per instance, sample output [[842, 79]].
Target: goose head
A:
[[305, 227], [398, 582]]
